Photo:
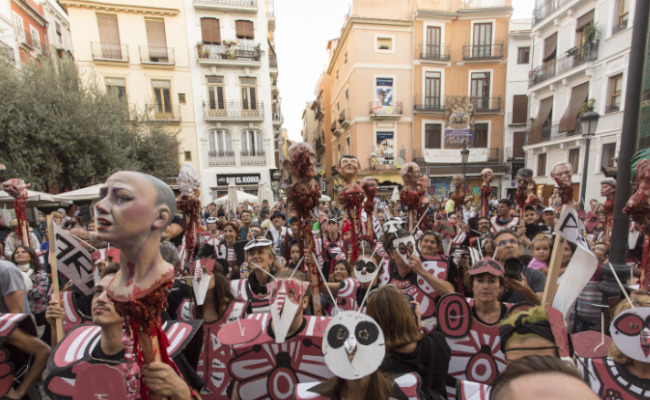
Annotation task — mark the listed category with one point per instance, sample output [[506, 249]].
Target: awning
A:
[[578, 97], [585, 20], [545, 108], [550, 45]]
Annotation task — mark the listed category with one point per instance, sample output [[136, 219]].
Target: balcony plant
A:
[[203, 52], [585, 106]]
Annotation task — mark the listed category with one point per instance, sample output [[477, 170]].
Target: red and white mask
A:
[[630, 331], [405, 247], [285, 298]]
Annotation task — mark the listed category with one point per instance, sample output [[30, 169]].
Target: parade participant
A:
[[561, 173], [13, 240], [290, 344], [37, 285], [488, 176], [246, 218], [549, 216], [279, 233], [213, 232], [529, 377], [219, 308], [527, 284], [408, 350], [342, 271], [260, 257], [108, 349], [503, 220], [332, 245], [625, 373], [531, 226], [351, 291], [469, 212], [430, 245], [225, 249], [487, 281], [424, 281]]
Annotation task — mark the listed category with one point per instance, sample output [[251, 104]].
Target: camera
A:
[[513, 268]]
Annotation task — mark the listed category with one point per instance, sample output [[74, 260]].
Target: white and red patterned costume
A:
[[213, 362], [266, 369], [224, 253], [8, 323], [408, 384], [418, 288], [612, 381], [241, 289], [73, 355], [475, 348], [498, 226]]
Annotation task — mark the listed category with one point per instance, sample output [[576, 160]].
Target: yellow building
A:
[[139, 49], [459, 87]]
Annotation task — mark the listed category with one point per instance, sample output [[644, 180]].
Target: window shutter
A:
[[210, 31], [519, 108], [244, 29], [550, 46]]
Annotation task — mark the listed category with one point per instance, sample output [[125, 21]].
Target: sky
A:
[[303, 28]]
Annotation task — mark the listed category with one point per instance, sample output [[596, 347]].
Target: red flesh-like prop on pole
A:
[[17, 188]]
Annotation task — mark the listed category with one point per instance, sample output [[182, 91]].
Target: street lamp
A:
[[464, 155], [588, 122]]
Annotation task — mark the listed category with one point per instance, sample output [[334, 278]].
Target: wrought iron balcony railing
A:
[[434, 51], [258, 159], [571, 59], [157, 55], [232, 52], [164, 112], [382, 109], [428, 104], [216, 159], [483, 51], [103, 51], [484, 104], [233, 110]]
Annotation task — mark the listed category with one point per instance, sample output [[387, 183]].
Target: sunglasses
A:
[[368, 265]]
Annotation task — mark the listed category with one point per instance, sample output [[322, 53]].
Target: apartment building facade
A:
[[58, 28], [30, 30], [580, 52], [237, 105], [140, 52], [459, 75]]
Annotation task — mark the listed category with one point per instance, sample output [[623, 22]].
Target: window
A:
[[36, 37], [384, 43], [188, 156], [432, 89], [550, 52], [347, 94], [248, 93], [615, 93], [432, 136], [215, 94], [220, 143], [345, 60], [181, 98], [541, 164], [574, 159], [481, 135], [157, 40], [109, 36], [163, 98], [523, 54], [116, 86], [433, 44], [608, 155], [518, 141], [622, 14], [480, 89], [581, 24], [20, 27], [347, 142], [244, 29], [519, 109], [252, 143], [57, 29], [482, 44], [210, 31]]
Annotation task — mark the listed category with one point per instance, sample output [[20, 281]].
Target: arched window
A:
[[252, 143], [220, 143]]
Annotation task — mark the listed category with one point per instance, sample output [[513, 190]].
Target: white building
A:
[[233, 69], [58, 28], [8, 45], [518, 64], [572, 65]]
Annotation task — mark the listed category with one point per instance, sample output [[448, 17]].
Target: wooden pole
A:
[[554, 269], [55, 275]]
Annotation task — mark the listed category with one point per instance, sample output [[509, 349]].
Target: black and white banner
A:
[[73, 261]]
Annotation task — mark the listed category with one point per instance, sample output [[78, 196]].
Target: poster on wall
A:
[[459, 113], [384, 91], [385, 147]]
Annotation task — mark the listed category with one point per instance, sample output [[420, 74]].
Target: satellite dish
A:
[[399, 162]]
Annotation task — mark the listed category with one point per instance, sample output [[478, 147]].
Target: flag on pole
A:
[[73, 260]]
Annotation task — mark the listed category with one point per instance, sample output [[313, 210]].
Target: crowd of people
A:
[[398, 280]]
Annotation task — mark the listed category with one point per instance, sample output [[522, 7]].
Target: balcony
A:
[[277, 118], [333, 126], [273, 63], [344, 118], [320, 145], [486, 104], [114, 52], [232, 111], [434, 52], [546, 8], [428, 104], [379, 110], [571, 59], [550, 131], [483, 52], [164, 112], [258, 159], [247, 6], [153, 55], [221, 159], [483, 3], [516, 119], [229, 54], [616, 29], [25, 39]]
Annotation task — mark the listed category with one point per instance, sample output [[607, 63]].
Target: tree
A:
[[61, 135]]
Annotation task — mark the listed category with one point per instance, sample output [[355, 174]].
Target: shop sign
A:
[[239, 179]]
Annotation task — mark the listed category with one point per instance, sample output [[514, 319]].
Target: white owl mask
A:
[[365, 270], [405, 247], [630, 331], [285, 298], [353, 345]]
